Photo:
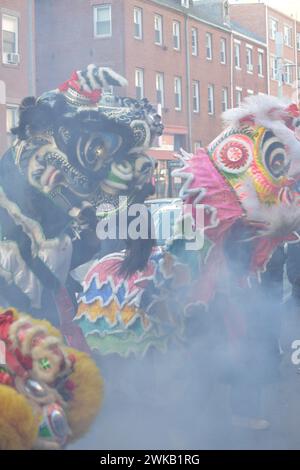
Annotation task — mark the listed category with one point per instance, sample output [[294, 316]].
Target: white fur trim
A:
[[121, 81], [29, 335], [122, 170]]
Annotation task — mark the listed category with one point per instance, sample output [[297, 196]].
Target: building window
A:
[[12, 119], [250, 92], [139, 83], [138, 23], [196, 96], [249, 59], [238, 97], [102, 21], [288, 73], [9, 38], [274, 68], [211, 99], [160, 89], [224, 99], [194, 41], [176, 35], [288, 35], [223, 51], [209, 46], [273, 28], [185, 3], [158, 28], [298, 74], [298, 41], [260, 65], [178, 93], [237, 55]]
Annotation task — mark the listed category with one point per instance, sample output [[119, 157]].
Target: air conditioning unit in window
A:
[[12, 58]]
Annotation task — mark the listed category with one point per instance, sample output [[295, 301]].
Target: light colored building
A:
[[281, 33]]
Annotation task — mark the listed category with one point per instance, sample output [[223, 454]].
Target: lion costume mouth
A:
[[69, 174]]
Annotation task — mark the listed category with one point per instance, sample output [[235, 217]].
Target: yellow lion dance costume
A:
[[49, 394]]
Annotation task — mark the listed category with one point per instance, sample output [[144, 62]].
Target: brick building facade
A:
[[17, 64], [179, 54]]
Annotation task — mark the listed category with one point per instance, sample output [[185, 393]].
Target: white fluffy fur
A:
[[105, 80], [114, 75], [257, 105]]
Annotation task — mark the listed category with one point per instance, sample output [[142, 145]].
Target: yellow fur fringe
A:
[[18, 426], [88, 394]]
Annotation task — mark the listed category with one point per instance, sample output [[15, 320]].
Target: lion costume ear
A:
[[87, 394], [18, 425]]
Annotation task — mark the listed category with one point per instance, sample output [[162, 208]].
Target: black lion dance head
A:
[[80, 146]]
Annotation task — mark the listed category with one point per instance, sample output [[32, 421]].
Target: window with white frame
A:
[[237, 55], [249, 59], [11, 117], [224, 99], [102, 21], [194, 41], [176, 35], [298, 41], [223, 51], [196, 96], [260, 63], [209, 52], [160, 98], [273, 28], [138, 22], [158, 29], [211, 99], [288, 73], [178, 93], [139, 83], [10, 34], [250, 92], [238, 96], [288, 35], [274, 68], [185, 3]]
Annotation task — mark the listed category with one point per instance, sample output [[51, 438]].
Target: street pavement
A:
[[164, 414]]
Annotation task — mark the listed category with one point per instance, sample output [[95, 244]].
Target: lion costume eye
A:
[[296, 122], [274, 155], [93, 149]]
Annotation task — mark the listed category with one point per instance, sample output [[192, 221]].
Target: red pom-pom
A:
[[5, 378]]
